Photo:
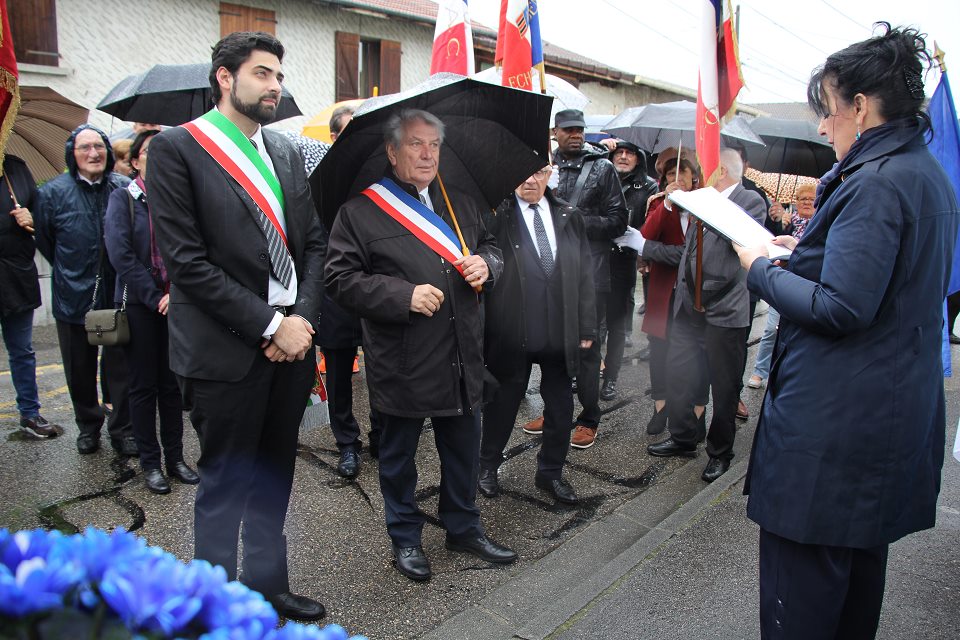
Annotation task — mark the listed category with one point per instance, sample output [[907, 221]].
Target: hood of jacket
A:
[[72, 142]]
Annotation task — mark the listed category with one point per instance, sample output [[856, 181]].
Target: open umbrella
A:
[[318, 127], [41, 130], [565, 95], [779, 186], [172, 94], [793, 147], [493, 137], [655, 127]]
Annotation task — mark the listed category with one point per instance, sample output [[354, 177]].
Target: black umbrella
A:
[[172, 94], [493, 137], [793, 147], [655, 127]]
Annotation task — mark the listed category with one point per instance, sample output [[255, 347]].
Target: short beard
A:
[[256, 111]]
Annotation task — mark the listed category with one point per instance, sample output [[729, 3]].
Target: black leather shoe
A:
[[658, 423], [488, 484], [702, 427], [412, 562], [290, 605], [183, 473], [39, 427], [155, 481], [560, 488], [87, 444], [125, 446], [669, 448], [349, 465], [715, 468], [609, 390], [482, 547]]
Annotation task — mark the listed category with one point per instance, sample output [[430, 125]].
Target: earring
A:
[[858, 132]]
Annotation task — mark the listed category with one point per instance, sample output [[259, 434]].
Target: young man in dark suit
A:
[[241, 241]]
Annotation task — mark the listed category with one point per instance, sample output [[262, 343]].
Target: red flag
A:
[[517, 47], [452, 39], [501, 27], [719, 83], [9, 83]]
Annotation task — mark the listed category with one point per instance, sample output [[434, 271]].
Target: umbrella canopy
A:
[[779, 186], [172, 94], [655, 127], [565, 95], [40, 132], [493, 137], [318, 127], [793, 147]]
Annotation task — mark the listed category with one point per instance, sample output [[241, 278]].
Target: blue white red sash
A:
[[416, 218], [233, 151]]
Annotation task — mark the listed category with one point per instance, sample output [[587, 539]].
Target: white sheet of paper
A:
[[726, 218]]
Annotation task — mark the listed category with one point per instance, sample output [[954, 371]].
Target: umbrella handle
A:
[[456, 226]]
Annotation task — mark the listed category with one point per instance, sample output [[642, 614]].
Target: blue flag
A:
[[945, 147]]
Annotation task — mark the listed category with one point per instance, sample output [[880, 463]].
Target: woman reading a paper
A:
[[850, 443]]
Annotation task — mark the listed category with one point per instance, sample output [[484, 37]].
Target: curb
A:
[[547, 594]]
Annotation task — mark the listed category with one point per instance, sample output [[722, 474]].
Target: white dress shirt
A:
[[527, 213]]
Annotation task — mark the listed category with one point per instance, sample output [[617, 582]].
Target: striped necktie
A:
[[543, 243], [281, 263]]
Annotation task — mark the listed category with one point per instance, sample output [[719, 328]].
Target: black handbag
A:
[[108, 327]]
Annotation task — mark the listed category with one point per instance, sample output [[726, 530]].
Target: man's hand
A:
[[164, 304], [426, 299], [586, 344], [776, 211], [291, 341], [475, 270], [24, 218]]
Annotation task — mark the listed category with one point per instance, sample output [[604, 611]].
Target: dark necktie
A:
[[281, 264], [543, 243]]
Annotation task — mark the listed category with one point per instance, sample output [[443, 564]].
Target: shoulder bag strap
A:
[[581, 181]]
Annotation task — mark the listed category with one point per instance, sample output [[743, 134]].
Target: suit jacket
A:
[[505, 329], [128, 247], [725, 296], [216, 255]]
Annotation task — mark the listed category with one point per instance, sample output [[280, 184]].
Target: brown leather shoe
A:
[[534, 427], [583, 437], [742, 413]]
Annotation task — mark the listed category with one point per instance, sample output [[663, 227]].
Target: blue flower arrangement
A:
[[113, 586]]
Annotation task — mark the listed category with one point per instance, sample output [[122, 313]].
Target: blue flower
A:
[[33, 579], [97, 550], [234, 606], [23, 545], [296, 631]]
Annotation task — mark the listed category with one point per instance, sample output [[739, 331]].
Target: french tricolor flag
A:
[[452, 39]]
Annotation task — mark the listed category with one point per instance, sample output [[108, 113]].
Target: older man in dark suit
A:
[[716, 333], [243, 247]]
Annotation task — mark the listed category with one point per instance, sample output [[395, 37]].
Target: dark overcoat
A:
[[505, 322], [850, 444], [417, 366], [19, 287]]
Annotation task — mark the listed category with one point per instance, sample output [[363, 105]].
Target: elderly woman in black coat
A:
[[850, 443], [143, 286]]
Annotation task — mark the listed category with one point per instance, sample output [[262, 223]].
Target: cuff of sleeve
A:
[[274, 325]]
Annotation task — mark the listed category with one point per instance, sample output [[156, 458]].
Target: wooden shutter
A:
[[33, 27], [389, 67], [346, 61], [235, 17]]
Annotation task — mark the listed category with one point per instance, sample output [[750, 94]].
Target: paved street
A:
[[651, 551]]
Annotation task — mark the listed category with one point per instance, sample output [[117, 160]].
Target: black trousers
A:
[[153, 388], [344, 425], [588, 378], [619, 319], [80, 370], [500, 415], [248, 446], [816, 592], [691, 340], [457, 440]]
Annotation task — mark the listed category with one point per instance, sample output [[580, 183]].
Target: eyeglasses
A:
[[543, 173], [805, 200], [95, 146]]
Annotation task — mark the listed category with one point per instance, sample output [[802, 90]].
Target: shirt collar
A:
[[524, 205], [726, 192], [92, 183]]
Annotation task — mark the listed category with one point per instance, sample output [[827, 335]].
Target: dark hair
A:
[[887, 67], [336, 125], [137, 145], [233, 50]]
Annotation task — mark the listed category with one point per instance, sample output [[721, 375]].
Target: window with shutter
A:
[[33, 27], [365, 65], [236, 17], [347, 62], [389, 67]]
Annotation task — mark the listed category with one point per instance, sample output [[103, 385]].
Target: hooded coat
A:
[[850, 443], [69, 233]]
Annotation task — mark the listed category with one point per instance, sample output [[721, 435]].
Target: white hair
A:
[[732, 162]]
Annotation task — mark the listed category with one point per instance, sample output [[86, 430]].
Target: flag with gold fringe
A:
[[9, 82]]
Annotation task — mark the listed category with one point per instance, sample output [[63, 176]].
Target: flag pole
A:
[[464, 249]]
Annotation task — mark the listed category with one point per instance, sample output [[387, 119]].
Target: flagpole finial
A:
[[939, 54]]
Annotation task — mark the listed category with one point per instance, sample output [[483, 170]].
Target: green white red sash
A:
[[233, 151], [417, 218]]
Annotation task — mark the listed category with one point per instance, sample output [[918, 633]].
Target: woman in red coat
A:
[[663, 233]]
